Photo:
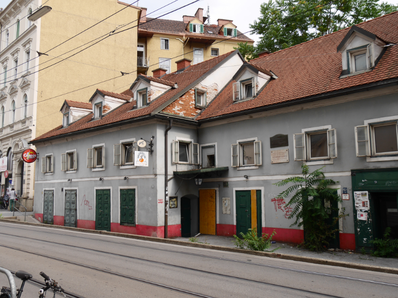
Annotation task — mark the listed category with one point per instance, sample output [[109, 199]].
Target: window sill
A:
[[244, 168], [355, 73], [126, 167], [319, 162], [71, 171], [98, 169], [49, 173], [381, 158]]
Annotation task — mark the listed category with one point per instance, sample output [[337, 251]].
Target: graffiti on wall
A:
[[280, 204], [86, 203]]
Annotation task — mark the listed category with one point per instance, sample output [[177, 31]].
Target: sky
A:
[[241, 12]]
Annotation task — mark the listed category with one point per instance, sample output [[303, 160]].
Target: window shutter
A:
[[103, 156], [225, 31], [257, 153], [254, 86], [190, 27], [43, 165], [299, 146], [201, 29], [362, 143], [197, 103], [90, 153], [332, 143], [235, 32], [52, 164], [195, 153], [370, 60], [235, 91], [145, 99], [234, 155], [75, 160], [117, 153], [63, 162], [175, 151]]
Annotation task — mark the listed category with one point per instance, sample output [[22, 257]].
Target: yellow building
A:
[[163, 42]]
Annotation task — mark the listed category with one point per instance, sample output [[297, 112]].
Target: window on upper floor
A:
[[377, 139], [164, 43], [200, 98], [7, 37], [208, 156], [123, 153], [319, 143], [96, 157], [29, 14], [25, 101], [27, 58], [185, 152], [358, 59], [246, 153], [244, 89], [65, 120], [47, 164], [5, 75], [230, 32], [98, 110], [13, 110], [15, 69], [215, 52], [165, 63], [18, 26], [69, 161], [2, 116], [196, 28], [142, 97]]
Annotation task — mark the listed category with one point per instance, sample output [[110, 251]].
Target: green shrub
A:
[[386, 247], [251, 241]]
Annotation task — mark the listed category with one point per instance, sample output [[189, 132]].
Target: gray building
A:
[[225, 131]]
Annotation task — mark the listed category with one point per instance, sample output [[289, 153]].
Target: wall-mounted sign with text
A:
[[29, 155]]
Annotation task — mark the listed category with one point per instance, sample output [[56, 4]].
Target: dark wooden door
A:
[[127, 206], [70, 217], [243, 212], [103, 210], [48, 207], [185, 217]]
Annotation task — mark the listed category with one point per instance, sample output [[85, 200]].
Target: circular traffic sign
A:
[[6, 174]]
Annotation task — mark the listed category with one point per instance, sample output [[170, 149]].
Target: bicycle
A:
[[13, 292]]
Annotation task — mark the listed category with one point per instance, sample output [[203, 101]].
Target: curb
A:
[[221, 248]]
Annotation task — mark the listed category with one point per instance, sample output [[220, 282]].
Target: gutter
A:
[[166, 181]]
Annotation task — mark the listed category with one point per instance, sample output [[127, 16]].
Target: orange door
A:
[[207, 211]]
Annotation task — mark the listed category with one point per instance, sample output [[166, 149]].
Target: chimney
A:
[[199, 14], [222, 22], [187, 19], [263, 54], [183, 63], [143, 15], [159, 72]]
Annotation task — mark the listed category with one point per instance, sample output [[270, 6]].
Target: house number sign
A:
[[141, 143]]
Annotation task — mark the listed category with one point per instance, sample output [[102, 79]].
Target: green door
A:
[[243, 212], [70, 218], [127, 206], [103, 209], [48, 207], [185, 217]]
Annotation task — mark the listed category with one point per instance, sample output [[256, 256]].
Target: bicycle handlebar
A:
[[45, 276]]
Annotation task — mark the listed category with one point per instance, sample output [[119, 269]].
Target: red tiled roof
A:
[[125, 112], [115, 95], [179, 27], [313, 68], [80, 105], [158, 80]]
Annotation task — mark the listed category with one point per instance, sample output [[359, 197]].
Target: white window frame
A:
[[197, 28], [164, 44], [201, 153], [66, 161], [306, 145], [237, 154], [98, 110], [140, 93], [195, 60], [351, 53], [91, 158], [238, 89], [370, 145], [200, 98], [47, 168], [165, 63], [232, 33], [215, 49], [193, 152], [119, 154], [65, 119]]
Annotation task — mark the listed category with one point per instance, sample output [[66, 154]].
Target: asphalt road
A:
[[93, 265]]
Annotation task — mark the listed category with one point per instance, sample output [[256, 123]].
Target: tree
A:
[[312, 200], [284, 23]]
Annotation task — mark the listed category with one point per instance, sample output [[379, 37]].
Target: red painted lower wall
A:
[[226, 230], [39, 216], [86, 224], [347, 241], [59, 220], [286, 235]]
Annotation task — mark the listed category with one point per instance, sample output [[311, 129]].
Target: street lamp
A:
[[39, 13]]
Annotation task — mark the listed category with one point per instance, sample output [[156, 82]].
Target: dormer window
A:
[[230, 32], [98, 110], [142, 97], [196, 28], [358, 59], [244, 89], [200, 98], [66, 120]]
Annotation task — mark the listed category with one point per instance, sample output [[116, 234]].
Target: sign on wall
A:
[[29, 155], [3, 164], [141, 158]]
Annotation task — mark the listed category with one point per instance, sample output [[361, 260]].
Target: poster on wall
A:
[[361, 200], [3, 164], [141, 159], [226, 206], [362, 215]]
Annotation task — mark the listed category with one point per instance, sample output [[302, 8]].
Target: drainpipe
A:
[[166, 192]]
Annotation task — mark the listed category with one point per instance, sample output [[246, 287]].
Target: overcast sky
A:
[[242, 12]]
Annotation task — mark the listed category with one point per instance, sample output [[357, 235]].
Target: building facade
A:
[[209, 145]]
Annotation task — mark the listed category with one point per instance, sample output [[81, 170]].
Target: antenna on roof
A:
[[208, 14]]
